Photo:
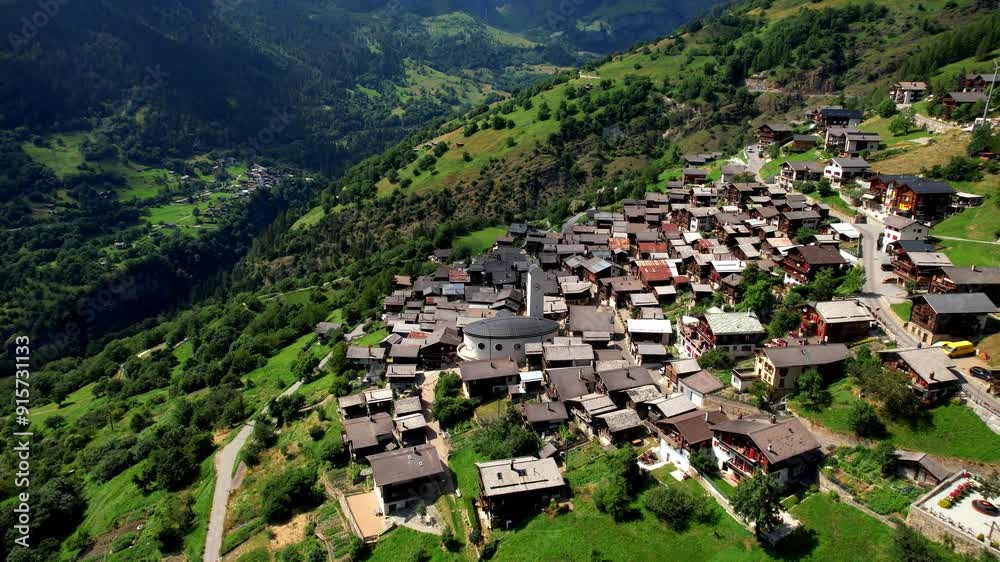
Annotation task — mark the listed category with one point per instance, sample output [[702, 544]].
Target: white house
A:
[[901, 228], [844, 170]]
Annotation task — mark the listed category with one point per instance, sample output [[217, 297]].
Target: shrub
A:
[[944, 503], [676, 506], [475, 536], [863, 420], [448, 539], [703, 461], [612, 498], [287, 492], [316, 432], [489, 550]]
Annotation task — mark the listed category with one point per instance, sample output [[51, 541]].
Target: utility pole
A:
[[986, 110]]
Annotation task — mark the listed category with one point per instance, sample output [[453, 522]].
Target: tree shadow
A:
[[796, 546]]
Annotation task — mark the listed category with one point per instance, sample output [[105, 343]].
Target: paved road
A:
[[568, 226], [997, 242], [224, 462], [754, 161], [877, 294]]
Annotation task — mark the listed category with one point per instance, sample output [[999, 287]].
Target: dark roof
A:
[[966, 97], [405, 465], [541, 412], [972, 275], [487, 369], [778, 441], [819, 255], [693, 426], [702, 383], [805, 138], [960, 303], [590, 319], [913, 245], [512, 327], [624, 379], [924, 186], [778, 127], [806, 355], [364, 432], [839, 112]]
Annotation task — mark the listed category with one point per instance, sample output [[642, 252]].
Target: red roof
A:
[[652, 247], [458, 276], [670, 227], [681, 280], [618, 243], [651, 273]]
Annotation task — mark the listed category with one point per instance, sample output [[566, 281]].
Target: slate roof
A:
[[512, 327], [624, 379], [364, 432], [518, 475], [545, 412], [621, 420], [728, 323], [837, 312], [782, 440], [487, 369], [970, 276], [806, 355], [960, 303], [571, 382], [405, 465], [702, 383]]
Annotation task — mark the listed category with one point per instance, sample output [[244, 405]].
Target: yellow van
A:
[[958, 348]]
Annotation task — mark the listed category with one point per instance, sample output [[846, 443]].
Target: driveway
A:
[[224, 462], [878, 295], [434, 433], [569, 224], [754, 161]]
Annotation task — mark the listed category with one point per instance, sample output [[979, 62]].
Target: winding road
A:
[[224, 463]]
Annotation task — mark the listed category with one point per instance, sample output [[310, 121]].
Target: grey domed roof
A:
[[512, 327]]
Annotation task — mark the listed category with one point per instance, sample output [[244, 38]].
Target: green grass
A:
[[493, 409], [773, 167], [903, 310], [181, 214], [841, 529], [371, 339], [271, 379], [975, 223], [951, 431], [403, 543], [78, 403], [880, 125], [63, 157], [194, 542], [182, 352], [477, 242], [837, 202], [311, 218], [971, 253]]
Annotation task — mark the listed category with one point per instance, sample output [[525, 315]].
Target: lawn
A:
[[975, 223], [403, 543], [880, 125], [311, 218], [773, 167], [475, 243], [837, 202], [182, 352], [63, 156], [903, 310], [268, 381], [372, 338], [971, 253], [951, 431], [838, 529]]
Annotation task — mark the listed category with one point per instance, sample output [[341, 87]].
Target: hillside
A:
[[127, 424]]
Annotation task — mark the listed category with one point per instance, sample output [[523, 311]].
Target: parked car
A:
[[981, 373], [958, 348]]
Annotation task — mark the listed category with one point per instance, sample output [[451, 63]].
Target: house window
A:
[[482, 346], [517, 346], [498, 347]]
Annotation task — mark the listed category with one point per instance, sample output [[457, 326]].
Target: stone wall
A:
[[938, 531]]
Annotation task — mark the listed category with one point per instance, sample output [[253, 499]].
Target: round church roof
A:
[[512, 327]]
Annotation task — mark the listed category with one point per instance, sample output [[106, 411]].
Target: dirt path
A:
[[224, 462], [434, 432]]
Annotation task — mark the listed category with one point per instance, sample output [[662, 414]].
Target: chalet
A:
[[682, 429], [654, 273], [978, 82], [697, 386], [804, 142], [856, 143], [974, 279], [790, 222], [620, 426], [907, 92], [401, 377], [590, 319], [586, 410], [780, 367], [740, 193], [546, 417], [698, 219], [836, 321], [773, 133], [918, 267], [328, 331], [368, 435], [510, 489], [365, 357], [841, 171], [835, 139], [949, 317], [406, 406], [575, 354], [920, 468], [782, 447], [676, 370], [619, 289], [733, 172], [838, 117], [953, 100], [616, 381], [648, 331], [694, 176], [403, 477], [803, 263], [488, 377], [410, 429], [919, 198], [934, 376], [352, 406], [734, 332], [570, 382], [902, 228]]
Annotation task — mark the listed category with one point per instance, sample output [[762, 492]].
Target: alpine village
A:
[[550, 280]]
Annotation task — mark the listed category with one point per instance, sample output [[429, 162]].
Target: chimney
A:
[[770, 449], [932, 375], [415, 450], [774, 420], [973, 267], [706, 417]]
